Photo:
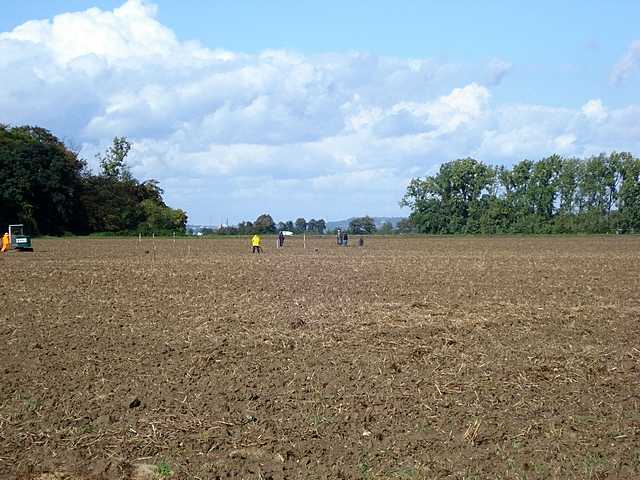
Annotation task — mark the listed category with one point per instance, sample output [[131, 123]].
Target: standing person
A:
[[345, 239], [5, 243], [339, 237], [255, 244], [361, 241], [281, 239]]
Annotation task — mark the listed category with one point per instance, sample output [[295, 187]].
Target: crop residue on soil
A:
[[409, 358]]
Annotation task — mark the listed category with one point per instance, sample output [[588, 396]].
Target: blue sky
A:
[[321, 109]]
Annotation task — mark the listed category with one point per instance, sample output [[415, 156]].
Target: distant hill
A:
[[332, 225]]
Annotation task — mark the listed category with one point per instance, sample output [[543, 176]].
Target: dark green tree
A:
[[362, 225], [160, 218], [300, 225], [40, 179], [568, 186], [264, 224], [48, 188], [629, 193], [451, 200], [114, 201], [543, 186], [595, 195], [406, 225]]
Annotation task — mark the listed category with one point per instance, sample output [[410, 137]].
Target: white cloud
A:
[[627, 64], [594, 110], [234, 134]]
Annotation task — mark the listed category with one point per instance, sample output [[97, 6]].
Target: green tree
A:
[[40, 180], [264, 224], [48, 188], [629, 194], [150, 190], [386, 228], [451, 201], [300, 225], [312, 226], [495, 216], [593, 184], [362, 225], [597, 194], [110, 205], [594, 176], [516, 183], [245, 228], [568, 186], [543, 186], [406, 225], [160, 218], [113, 161]]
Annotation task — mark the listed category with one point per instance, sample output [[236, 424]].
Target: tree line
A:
[[367, 225], [265, 224], [599, 194], [48, 188]]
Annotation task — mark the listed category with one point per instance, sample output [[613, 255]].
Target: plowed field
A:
[[411, 358]]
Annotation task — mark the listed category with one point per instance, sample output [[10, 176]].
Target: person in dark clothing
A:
[[345, 239], [281, 239]]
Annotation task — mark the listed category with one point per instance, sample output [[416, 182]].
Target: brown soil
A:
[[465, 358]]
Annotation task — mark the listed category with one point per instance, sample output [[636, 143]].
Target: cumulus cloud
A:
[[627, 64], [233, 134], [594, 110]]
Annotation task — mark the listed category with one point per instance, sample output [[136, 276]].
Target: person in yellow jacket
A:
[[255, 243], [5, 242]]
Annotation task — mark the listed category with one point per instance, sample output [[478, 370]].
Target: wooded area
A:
[[49, 189], [600, 194], [265, 224]]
